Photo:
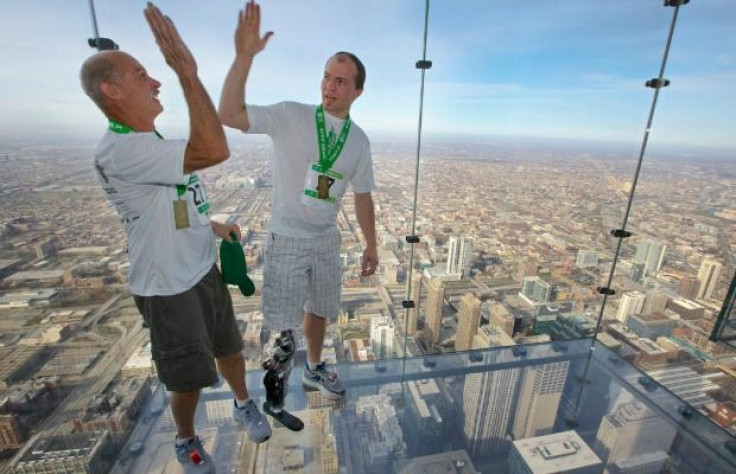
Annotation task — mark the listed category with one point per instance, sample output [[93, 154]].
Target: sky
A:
[[563, 69]]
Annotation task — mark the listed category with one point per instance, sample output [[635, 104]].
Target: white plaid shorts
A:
[[301, 274]]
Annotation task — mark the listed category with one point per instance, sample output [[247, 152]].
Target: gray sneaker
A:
[[323, 379], [193, 456], [255, 423]]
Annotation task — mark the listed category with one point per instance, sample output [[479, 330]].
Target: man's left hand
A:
[[224, 230], [370, 261]]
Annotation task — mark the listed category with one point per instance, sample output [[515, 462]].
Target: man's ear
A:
[[111, 90]]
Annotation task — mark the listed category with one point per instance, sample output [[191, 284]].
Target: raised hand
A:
[[175, 51], [248, 40]]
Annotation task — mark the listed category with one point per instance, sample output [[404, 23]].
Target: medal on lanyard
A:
[[328, 153], [181, 210]]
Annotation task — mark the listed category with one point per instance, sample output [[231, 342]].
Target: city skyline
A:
[[557, 71], [549, 222]]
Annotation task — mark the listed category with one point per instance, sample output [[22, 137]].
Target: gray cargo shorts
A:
[[189, 330]]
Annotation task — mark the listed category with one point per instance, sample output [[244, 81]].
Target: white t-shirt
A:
[[139, 173], [292, 127]]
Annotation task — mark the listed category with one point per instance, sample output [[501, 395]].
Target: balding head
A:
[[98, 69]]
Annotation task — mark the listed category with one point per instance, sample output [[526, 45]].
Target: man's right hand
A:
[[175, 51], [248, 40]]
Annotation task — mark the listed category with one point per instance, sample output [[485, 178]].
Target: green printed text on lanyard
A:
[[328, 153], [122, 129]]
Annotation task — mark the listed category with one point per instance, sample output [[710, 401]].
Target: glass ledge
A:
[[553, 407]]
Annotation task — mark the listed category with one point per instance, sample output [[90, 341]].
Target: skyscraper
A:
[[638, 270], [632, 430], [650, 252], [708, 276], [433, 312], [459, 256], [655, 301], [501, 316], [382, 337], [413, 313], [539, 399], [586, 259], [488, 398], [688, 288], [468, 318], [536, 290], [631, 303]]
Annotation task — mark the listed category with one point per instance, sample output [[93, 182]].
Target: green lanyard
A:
[[328, 153], [120, 128]]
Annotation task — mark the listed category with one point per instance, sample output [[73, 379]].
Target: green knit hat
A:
[[234, 268]]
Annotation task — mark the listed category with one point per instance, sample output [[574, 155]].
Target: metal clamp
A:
[[423, 64], [103, 44], [657, 83], [620, 233]]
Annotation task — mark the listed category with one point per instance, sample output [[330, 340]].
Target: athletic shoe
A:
[[324, 380], [255, 423], [193, 456]]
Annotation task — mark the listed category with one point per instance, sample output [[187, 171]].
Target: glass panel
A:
[[498, 411], [523, 177]]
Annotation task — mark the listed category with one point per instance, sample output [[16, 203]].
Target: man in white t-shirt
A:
[[318, 151], [163, 206]]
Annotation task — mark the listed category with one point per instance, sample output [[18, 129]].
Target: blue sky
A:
[[565, 69]]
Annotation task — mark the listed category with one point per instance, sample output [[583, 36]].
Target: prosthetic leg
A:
[[278, 369]]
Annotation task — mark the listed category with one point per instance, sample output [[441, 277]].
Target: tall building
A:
[[426, 417], [433, 312], [572, 326], [650, 252], [539, 399], [708, 276], [564, 452], [536, 290], [638, 271], [468, 318], [632, 430], [488, 398], [502, 317], [631, 303], [413, 313], [382, 337], [459, 256], [688, 288], [656, 301], [586, 259]]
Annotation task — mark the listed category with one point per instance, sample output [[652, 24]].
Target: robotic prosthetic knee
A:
[[278, 369]]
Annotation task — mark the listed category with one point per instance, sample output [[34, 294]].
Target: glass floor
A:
[[543, 408]]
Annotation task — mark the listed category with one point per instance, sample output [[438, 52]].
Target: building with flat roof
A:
[[28, 298], [651, 325], [19, 362], [454, 462], [564, 452], [37, 276], [88, 453]]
